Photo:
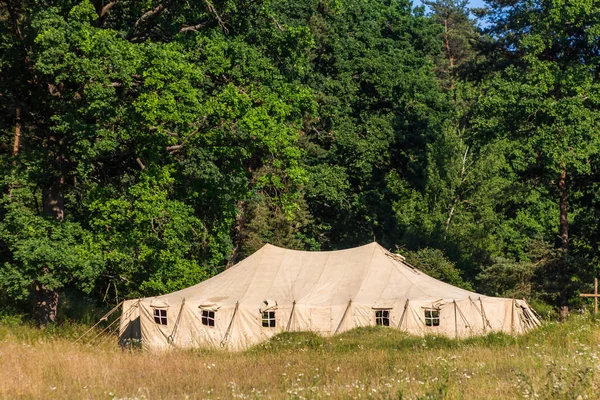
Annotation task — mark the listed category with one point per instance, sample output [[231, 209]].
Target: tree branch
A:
[[13, 17], [278, 25], [213, 11], [107, 8], [140, 163], [177, 147], [193, 28], [147, 15]]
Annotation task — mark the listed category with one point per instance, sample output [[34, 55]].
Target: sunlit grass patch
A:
[[559, 360]]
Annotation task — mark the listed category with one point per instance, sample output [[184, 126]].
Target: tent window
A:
[[208, 318], [268, 319], [160, 316], [432, 317], [382, 318]]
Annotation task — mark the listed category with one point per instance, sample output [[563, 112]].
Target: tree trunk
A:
[[17, 132], [564, 221], [447, 43], [46, 299], [45, 304], [54, 204], [454, 203], [15, 145], [237, 234]]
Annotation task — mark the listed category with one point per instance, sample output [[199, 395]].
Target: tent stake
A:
[[343, 316], [289, 324]]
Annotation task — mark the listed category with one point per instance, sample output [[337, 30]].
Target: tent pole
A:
[[226, 336], [343, 316], [455, 322], [403, 313], [289, 324]]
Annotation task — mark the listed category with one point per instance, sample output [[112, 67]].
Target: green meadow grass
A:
[[556, 361]]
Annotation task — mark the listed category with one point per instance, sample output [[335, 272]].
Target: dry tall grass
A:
[[557, 361]]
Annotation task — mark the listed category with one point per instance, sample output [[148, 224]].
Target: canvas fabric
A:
[[323, 292]]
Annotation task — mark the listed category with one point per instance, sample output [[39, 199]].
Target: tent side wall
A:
[[130, 331], [237, 328]]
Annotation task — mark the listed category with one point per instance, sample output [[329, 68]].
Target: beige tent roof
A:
[[367, 273], [326, 292]]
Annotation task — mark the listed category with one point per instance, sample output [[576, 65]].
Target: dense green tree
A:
[[545, 99], [69, 80], [435, 264], [459, 37], [379, 105], [145, 144], [541, 94]]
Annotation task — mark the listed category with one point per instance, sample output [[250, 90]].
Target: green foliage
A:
[[162, 140], [47, 252], [435, 264], [459, 36], [378, 103], [153, 244]]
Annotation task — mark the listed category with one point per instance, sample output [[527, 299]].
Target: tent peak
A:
[[372, 244]]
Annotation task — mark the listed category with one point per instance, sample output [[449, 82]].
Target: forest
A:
[[147, 145]]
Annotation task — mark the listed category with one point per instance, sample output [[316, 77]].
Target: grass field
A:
[[558, 361]]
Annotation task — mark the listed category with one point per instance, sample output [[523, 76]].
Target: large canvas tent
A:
[[276, 290]]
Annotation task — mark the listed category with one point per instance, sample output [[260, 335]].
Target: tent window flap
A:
[[432, 317], [268, 319], [382, 317], [160, 316], [208, 318]]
